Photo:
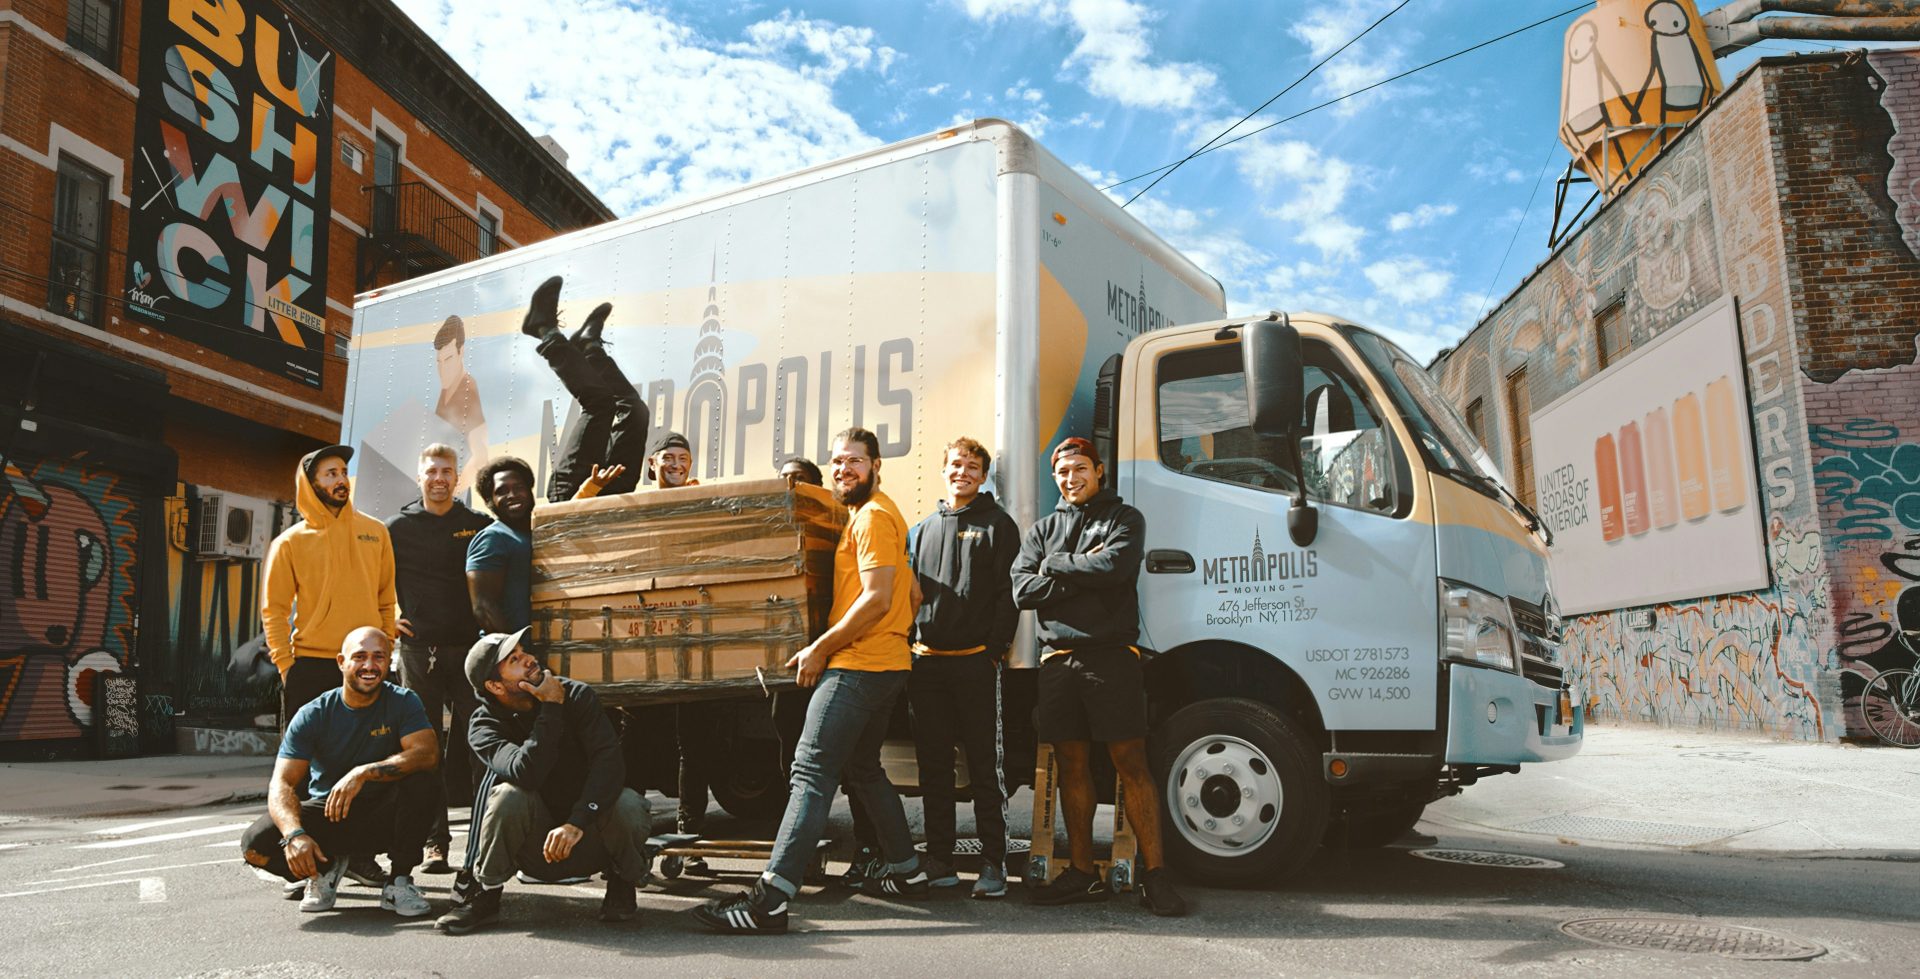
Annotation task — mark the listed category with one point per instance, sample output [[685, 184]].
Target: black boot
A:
[[543, 312], [619, 904], [480, 908], [589, 331], [1158, 896]]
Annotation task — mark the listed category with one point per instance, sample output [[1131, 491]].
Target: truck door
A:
[[1353, 612]]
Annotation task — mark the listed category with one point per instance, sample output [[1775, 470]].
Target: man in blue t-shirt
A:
[[353, 779], [500, 557]]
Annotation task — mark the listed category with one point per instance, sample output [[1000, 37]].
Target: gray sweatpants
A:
[[514, 828]]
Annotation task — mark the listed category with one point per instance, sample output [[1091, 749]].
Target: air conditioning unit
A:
[[233, 526]]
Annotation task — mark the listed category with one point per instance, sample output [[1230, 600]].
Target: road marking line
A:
[[103, 863], [76, 887], [11, 846], [123, 873], [164, 837], [143, 827], [153, 890]]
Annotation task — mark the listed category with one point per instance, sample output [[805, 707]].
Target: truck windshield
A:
[[1440, 429]]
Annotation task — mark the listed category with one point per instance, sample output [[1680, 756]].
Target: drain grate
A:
[[1490, 858], [1626, 830], [1692, 935]]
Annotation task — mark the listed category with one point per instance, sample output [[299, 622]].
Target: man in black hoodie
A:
[[553, 803], [1078, 569], [962, 554], [430, 537]]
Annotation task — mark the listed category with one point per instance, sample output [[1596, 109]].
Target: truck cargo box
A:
[[683, 594]]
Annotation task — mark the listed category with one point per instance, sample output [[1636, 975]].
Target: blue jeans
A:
[[846, 722]]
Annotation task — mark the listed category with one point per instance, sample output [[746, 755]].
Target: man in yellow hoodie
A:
[[326, 576]]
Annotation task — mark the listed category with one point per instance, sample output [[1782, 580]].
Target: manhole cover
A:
[[1489, 858], [1692, 935], [968, 846]]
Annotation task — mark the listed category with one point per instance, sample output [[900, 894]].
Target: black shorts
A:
[[1091, 695]]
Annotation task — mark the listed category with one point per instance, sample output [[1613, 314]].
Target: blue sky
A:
[[1395, 208]]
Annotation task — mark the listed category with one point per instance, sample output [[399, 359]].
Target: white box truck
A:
[[1351, 615]]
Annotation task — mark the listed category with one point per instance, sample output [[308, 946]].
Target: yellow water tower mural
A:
[[1636, 71]]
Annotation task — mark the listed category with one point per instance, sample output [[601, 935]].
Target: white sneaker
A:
[[292, 890], [323, 887], [401, 897]]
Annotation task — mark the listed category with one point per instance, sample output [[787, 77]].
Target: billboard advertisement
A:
[[227, 240], [1645, 474]]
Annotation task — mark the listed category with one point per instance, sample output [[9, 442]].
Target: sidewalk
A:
[[1640, 786], [129, 786]]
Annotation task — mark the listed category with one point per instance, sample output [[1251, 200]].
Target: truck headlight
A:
[[1478, 626]]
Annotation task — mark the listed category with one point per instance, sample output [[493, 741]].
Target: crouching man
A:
[[354, 778], [553, 802]]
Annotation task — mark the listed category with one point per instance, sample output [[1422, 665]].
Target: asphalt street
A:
[[167, 896]]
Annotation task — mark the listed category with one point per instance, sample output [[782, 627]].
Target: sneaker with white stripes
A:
[[402, 897], [912, 886], [760, 911]]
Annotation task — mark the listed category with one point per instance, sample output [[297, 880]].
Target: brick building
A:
[[1796, 196], [193, 192]]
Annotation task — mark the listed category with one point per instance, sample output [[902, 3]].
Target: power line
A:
[[1545, 165], [1257, 109], [1358, 91]]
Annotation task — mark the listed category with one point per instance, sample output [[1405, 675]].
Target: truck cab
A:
[[1351, 614]]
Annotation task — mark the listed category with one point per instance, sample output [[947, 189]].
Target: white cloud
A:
[[1420, 216], [838, 48], [1319, 184], [935, 89], [650, 110], [1326, 27], [1409, 280], [1113, 50]]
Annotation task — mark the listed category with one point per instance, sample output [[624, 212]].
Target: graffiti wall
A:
[[1861, 370], [213, 623], [69, 535], [1701, 223]]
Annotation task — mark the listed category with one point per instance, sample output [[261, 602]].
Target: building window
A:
[[489, 232], [1477, 421], [93, 28], [79, 241], [386, 182], [1519, 408], [1610, 332]]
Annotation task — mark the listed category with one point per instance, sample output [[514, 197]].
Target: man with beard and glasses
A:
[[500, 557], [430, 538], [327, 575], [553, 805], [858, 667], [354, 778]]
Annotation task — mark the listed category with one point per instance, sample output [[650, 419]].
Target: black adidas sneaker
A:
[[912, 886], [760, 911]]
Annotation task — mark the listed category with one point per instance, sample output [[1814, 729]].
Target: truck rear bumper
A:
[[1500, 718]]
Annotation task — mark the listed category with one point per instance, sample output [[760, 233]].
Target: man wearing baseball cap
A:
[[1078, 569], [326, 576], [552, 803]]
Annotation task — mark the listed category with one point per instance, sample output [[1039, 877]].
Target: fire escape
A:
[[415, 231]]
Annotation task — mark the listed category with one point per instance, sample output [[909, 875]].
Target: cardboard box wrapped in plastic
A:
[[683, 594]]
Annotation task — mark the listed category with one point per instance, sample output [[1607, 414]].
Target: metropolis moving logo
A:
[[1260, 570]]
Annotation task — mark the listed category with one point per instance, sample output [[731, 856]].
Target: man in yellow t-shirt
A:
[[859, 667]]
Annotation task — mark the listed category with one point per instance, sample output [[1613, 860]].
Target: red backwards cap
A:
[[1075, 446]]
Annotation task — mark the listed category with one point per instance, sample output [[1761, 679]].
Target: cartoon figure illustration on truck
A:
[[1351, 614]]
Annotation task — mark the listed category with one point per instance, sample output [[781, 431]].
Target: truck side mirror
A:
[[1270, 355], [1276, 406]]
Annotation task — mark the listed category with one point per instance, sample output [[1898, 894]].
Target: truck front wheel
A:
[[1245, 800]]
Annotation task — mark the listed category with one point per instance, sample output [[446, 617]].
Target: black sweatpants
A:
[[696, 732], [386, 817], [612, 427], [307, 678], [956, 700], [437, 673]]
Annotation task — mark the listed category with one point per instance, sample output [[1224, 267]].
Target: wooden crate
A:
[[685, 594]]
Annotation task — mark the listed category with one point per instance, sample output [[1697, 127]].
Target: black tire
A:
[[1891, 707], [748, 782], [1371, 828], [1277, 754]]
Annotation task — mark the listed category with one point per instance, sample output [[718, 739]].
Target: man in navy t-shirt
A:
[[500, 557], [353, 778]]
